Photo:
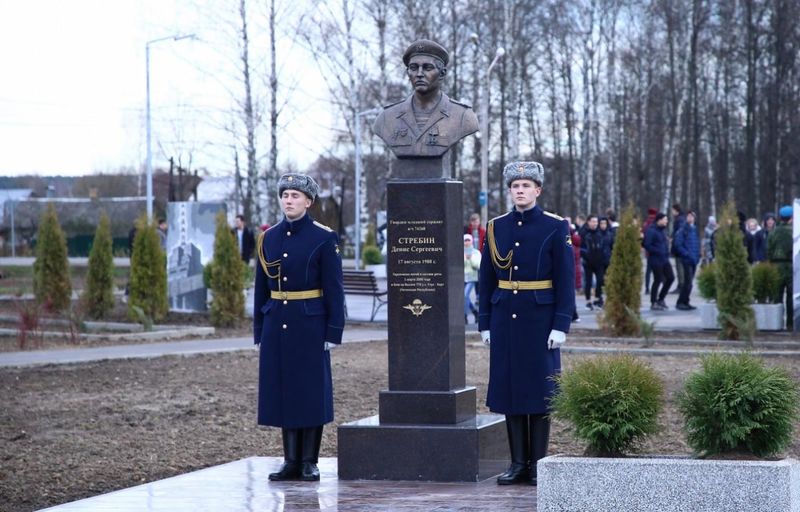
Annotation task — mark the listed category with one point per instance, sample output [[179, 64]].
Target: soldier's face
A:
[[425, 77], [524, 193], [294, 204]]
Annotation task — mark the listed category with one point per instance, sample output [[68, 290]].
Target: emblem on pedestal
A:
[[417, 307]]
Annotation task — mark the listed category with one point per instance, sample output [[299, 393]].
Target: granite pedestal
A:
[[427, 427]]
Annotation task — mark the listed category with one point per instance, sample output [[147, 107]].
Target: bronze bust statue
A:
[[426, 124]]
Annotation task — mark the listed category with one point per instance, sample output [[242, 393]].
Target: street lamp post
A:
[[484, 195], [176, 37], [357, 208]]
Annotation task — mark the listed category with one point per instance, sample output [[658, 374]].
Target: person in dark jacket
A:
[[648, 272], [595, 253], [687, 244], [657, 247], [678, 219], [762, 236], [245, 238], [298, 315], [527, 297]]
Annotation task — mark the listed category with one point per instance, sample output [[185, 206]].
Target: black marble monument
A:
[[427, 427]]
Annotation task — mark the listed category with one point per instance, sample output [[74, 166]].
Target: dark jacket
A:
[[687, 244], [521, 366], [656, 245], [295, 388], [760, 245], [677, 224], [596, 247], [248, 243]]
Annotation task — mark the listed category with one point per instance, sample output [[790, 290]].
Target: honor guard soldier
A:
[[527, 297], [298, 316]]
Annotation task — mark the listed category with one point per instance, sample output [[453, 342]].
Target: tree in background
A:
[[98, 294], [624, 279], [226, 276], [733, 280], [148, 285], [51, 283]]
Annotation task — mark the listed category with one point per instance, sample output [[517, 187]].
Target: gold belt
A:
[[305, 294], [525, 285]]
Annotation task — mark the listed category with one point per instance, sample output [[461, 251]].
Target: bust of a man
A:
[[427, 123]]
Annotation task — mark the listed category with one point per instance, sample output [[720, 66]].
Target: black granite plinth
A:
[[425, 274], [411, 168], [427, 406], [469, 451]]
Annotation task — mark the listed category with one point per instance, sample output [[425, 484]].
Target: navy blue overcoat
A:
[[295, 388], [521, 366]]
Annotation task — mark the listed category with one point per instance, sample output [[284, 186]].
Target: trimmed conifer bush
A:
[[766, 279], [226, 277], [734, 285], [51, 281], [707, 281], [624, 280], [98, 294], [148, 284], [611, 402], [739, 404]]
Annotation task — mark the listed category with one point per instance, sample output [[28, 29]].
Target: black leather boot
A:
[[540, 437], [312, 439], [290, 470], [517, 426]]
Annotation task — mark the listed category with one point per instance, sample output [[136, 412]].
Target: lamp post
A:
[[357, 208], [176, 37], [484, 194]]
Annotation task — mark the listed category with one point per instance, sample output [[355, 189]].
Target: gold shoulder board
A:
[[323, 226], [553, 215]]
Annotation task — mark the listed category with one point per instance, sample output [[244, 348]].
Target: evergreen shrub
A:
[[371, 255], [766, 280], [51, 282], [707, 281], [226, 276], [738, 404], [148, 282], [733, 282], [98, 294], [611, 402], [624, 279]]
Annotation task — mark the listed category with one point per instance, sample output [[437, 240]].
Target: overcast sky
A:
[[72, 93]]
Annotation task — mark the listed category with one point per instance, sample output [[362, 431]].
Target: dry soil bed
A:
[[73, 431]]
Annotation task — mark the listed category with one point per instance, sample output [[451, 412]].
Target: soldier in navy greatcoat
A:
[[298, 316], [527, 297]]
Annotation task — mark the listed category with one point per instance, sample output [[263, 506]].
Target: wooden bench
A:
[[363, 282]]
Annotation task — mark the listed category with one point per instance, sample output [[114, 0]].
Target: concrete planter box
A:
[[769, 317], [667, 485], [708, 315]]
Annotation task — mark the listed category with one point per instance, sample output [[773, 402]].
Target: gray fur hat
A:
[[523, 171], [300, 182]]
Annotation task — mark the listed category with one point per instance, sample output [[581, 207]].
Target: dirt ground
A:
[[73, 431]]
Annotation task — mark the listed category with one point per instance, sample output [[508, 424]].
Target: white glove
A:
[[485, 338], [329, 345], [556, 339]]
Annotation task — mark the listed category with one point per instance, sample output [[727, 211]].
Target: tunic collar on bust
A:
[[529, 214], [297, 225]]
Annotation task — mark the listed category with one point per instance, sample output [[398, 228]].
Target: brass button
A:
[[519, 223], [285, 278], [285, 255], [284, 326], [516, 292], [512, 316], [516, 267], [288, 233], [516, 244], [285, 302]]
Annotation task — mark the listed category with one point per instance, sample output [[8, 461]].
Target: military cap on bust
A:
[[523, 171], [426, 47], [785, 211], [300, 182]]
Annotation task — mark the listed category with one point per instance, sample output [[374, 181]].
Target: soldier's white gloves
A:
[[556, 339], [329, 345], [485, 338]]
